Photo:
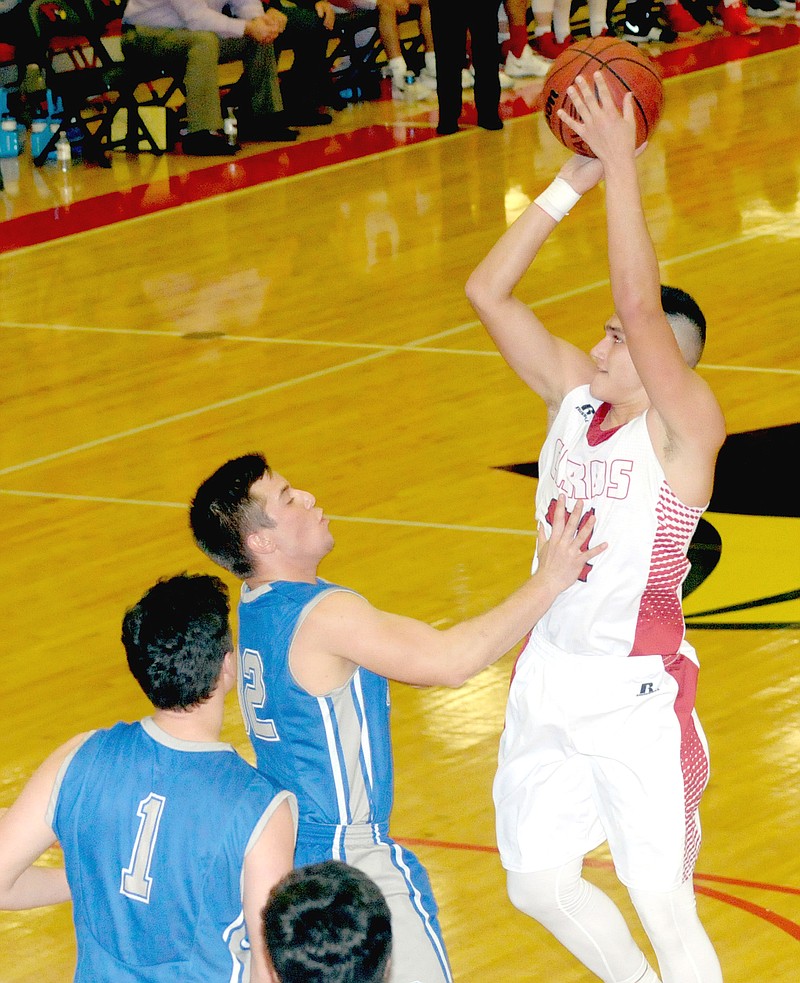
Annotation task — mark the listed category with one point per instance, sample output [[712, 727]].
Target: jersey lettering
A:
[[592, 479], [136, 880], [253, 697]]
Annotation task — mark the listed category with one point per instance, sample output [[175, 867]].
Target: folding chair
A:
[[74, 73], [92, 86], [144, 85]]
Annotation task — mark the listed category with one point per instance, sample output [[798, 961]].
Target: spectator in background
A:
[[405, 84], [451, 25], [307, 85], [19, 49], [194, 36], [521, 60], [553, 32]]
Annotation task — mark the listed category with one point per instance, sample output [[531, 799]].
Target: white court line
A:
[[421, 344], [142, 502], [208, 408], [409, 346], [416, 346], [188, 414]]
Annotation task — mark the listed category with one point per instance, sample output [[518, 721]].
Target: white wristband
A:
[[558, 198]]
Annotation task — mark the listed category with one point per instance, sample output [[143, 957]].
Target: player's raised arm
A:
[[344, 630], [549, 365], [664, 351]]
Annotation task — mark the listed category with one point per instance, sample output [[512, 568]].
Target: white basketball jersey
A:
[[628, 599]]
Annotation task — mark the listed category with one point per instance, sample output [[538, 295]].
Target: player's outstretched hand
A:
[[563, 557], [608, 132]]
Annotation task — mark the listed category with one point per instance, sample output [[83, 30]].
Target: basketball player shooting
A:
[[601, 740]]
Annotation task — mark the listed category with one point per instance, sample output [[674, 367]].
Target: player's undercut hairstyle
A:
[[328, 923], [222, 514], [176, 638], [686, 320]]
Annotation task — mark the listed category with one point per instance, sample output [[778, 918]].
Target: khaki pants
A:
[[194, 56]]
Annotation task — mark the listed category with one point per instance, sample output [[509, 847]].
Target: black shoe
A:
[[490, 123], [641, 26], [266, 130], [763, 8], [208, 143], [445, 129]]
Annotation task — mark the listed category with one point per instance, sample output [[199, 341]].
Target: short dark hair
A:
[[223, 514], [328, 923], [176, 638], [677, 304]]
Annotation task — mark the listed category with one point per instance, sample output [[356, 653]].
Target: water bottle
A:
[[231, 128], [9, 137], [63, 152]]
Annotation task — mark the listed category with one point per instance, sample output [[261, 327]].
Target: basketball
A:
[[624, 68]]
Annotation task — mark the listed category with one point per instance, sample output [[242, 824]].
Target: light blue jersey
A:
[[334, 752], [154, 832]]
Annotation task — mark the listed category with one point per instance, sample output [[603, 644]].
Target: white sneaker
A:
[[468, 79], [528, 65], [409, 89], [427, 78], [506, 82]]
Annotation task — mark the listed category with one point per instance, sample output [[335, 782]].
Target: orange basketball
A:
[[625, 69]]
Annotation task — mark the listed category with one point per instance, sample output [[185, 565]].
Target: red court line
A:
[[784, 924], [245, 172], [765, 914]]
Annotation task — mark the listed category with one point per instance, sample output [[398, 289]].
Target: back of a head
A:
[[176, 638], [328, 923], [686, 320], [222, 512]]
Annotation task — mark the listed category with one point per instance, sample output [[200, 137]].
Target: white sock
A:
[[597, 17], [561, 21], [398, 67], [430, 62]]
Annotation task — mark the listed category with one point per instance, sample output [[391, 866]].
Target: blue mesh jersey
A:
[[334, 751], [154, 832]]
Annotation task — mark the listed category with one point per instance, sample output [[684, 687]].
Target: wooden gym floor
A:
[[164, 315]]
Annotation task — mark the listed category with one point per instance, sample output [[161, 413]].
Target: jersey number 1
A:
[[136, 879]]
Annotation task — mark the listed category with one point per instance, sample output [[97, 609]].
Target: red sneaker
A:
[[548, 47], [680, 20], [735, 20]]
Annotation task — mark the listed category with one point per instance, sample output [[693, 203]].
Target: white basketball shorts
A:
[[600, 748]]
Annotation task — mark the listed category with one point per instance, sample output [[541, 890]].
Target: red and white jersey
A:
[[628, 599]]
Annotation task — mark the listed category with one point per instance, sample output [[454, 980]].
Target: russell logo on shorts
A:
[[646, 689]]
